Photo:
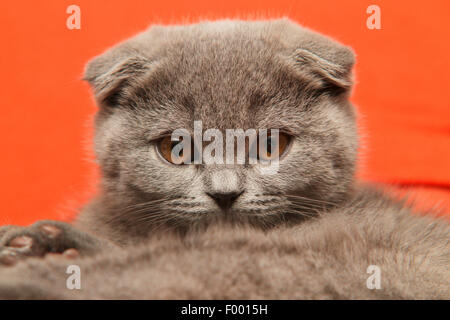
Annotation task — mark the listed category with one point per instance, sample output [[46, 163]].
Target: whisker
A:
[[307, 205], [310, 199], [154, 201], [303, 214]]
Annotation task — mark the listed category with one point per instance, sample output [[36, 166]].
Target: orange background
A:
[[402, 73]]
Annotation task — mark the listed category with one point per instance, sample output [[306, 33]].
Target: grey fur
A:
[[308, 231], [228, 74]]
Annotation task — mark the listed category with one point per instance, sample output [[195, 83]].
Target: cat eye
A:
[[178, 156], [266, 147], [270, 149]]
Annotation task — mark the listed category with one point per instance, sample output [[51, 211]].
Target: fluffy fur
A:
[[307, 232]]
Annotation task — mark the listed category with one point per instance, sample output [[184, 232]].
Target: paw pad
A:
[[50, 230], [71, 253], [67, 254], [21, 242], [8, 257]]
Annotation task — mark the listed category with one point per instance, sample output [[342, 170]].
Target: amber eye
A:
[[273, 148], [176, 152]]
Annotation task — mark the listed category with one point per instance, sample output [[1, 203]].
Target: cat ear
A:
[[112, 74], [324, 73], [320, 61]]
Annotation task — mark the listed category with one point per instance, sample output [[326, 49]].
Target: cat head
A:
[[228, 75]]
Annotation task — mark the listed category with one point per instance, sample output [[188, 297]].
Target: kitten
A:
[[162, 230]]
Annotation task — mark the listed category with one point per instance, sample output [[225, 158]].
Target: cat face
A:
[[224, 75]]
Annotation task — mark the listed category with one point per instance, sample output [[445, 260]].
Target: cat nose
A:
[[225, 200]]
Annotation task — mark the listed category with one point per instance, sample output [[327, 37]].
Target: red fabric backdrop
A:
[[402, 90]]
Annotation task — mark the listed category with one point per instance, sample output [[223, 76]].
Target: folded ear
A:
[[320, 61], [327, 74], [112, 75]]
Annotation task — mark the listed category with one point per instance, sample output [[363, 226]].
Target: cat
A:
[[161, 230]]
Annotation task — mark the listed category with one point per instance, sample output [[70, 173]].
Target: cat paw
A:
[[44, 238]]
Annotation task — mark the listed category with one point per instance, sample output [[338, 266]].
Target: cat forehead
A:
[[225, 79], [221, 91]]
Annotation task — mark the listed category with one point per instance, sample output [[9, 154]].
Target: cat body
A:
[[160, 230]]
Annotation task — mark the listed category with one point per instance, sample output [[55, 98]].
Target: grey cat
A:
[[160, 230]]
